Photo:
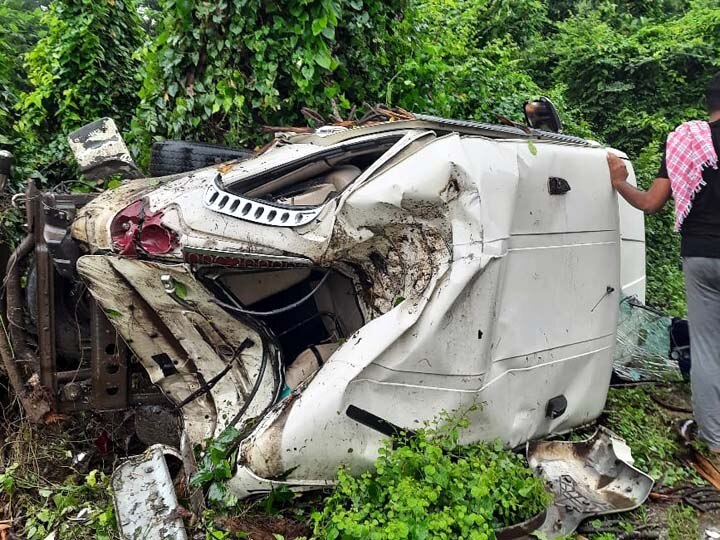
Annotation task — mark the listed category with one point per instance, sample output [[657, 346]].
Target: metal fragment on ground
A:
[[144, 496], [589, 478]]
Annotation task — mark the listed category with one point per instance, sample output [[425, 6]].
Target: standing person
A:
[[689, 173]]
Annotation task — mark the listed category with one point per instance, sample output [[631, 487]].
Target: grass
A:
[[649, 431], [41, 490], [682, 523]]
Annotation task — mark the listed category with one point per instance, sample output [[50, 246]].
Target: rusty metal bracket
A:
[[45, 297], [108, 363]]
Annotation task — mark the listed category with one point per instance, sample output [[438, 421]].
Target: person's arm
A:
[[649, 201]]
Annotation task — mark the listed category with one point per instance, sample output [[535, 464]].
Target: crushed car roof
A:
[[422, 121]]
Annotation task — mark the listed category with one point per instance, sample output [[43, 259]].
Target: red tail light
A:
[[134, 228]]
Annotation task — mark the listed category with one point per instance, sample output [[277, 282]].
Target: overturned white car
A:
[[348, 283]]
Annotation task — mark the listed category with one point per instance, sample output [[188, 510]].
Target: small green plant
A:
[[278, 498], [7, 479], [430, 486], [214, 470]]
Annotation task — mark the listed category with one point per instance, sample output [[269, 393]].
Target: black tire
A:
[[173, 157]]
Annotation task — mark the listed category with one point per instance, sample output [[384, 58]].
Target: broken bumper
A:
[[205, 361]]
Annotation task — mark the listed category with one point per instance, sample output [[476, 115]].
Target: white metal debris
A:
[[144, 496], [588, 478]]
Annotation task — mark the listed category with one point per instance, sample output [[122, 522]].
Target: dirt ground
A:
[[49, 474]]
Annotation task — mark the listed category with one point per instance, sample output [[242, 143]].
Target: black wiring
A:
[[251, 395], [205, 388]]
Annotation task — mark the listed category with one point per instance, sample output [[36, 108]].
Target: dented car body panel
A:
[[343, 285]]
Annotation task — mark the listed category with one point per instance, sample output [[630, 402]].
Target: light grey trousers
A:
[[702, 285]]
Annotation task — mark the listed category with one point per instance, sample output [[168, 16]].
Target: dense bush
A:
[[457, 62], [428, 486], [218, 71], [83, 68]]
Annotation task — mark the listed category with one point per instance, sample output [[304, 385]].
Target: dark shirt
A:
[[700, 231]]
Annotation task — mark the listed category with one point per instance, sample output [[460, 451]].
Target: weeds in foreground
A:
[[425, 485], [42, 494], [682, 523], [649, 432]]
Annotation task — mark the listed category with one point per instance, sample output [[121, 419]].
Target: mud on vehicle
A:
[[341, 285]]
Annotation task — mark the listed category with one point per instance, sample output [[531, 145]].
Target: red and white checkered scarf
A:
[[689, 150]]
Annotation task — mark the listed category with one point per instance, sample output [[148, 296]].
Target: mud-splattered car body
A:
[[345, 284]]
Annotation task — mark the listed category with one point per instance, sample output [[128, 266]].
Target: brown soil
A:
[[262, 527]]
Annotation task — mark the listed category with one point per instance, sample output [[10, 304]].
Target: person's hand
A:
[[618, 170]]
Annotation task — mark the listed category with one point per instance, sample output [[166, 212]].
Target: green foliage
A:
[[460, 58], [649, 432], [635, 84], [429, 486], [51, 504], [84, 68], [19, 27], [219, 70], [622, 10], [7, 479]]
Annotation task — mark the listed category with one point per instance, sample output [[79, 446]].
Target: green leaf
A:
[[216, 493], [112, 314], [180, 290], [201, 477], [45, 515], [318, 25], [91, 478], [184, 9], [228, 436], [323, 58], [533, 149]]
